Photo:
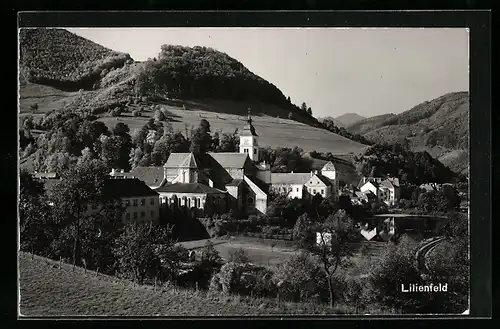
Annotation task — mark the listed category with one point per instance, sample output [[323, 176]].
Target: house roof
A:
[[126, 188], [230, 159], [181, 160], [386, 184], [188, 188], [152, 176], [374, 183], [235, 182], [394, 181], [290, 178], [328, 167], [321, 178]]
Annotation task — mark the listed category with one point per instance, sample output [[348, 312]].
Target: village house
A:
[[386, 190], [140, 202]]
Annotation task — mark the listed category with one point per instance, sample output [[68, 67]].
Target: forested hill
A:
[[61, 59], [439, 126], [201, 72]]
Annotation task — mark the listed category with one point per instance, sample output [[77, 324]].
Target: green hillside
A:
[[56, 57], [348, 119], [439, 126], [189, 82], [47, 290], [368, 124]]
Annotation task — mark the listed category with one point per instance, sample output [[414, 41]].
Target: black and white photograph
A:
[[203, 171]]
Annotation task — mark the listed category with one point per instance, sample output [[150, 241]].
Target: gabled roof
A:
[[152, 176], [328, 167], [188, 188], [394, 181], [386, 184], [230, 159], [235, 182], [374, 183], [290, 178], [127, 187], [321, 178], [181, 160]]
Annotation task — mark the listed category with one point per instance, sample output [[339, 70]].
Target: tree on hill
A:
[[336, 233], [144, 250], [303, 106], [309, 111], [81, 187], [201, 141], [302, 230]]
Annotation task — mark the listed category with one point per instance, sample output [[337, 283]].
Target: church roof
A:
[[181, 160], [188, 188], [248, 130], [152, 176], [235, 182], [230, 159], [290, 178]]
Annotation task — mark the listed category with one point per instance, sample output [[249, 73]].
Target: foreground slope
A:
[[439, 126], [46, 290]]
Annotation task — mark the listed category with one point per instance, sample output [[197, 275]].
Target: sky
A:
[[334, 71]]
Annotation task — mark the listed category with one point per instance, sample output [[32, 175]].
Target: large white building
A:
[[217, 182]]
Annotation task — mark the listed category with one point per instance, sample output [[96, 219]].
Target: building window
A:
[[127, 216], [143, 214], [314, 191], [152, 201], [152, 213], [189, 203], [134, 203], [250, 200], [297, 189], [135, 215], [143, 202], [322, 192], [254, 151], [127, 203]]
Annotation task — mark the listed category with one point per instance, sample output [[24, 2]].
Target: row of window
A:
[[135, 202], [135, 215], [247, 150]]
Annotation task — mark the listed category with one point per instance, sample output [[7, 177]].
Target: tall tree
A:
[[336, 232]]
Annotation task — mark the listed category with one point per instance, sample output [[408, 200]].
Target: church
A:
[[218, 182]]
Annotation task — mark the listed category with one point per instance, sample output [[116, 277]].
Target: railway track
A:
[[422, 253]]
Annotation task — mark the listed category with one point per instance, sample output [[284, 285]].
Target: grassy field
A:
[[222, 115], [271, 253], [47, 290]]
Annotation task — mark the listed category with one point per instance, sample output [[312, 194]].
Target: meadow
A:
[[47, 290]]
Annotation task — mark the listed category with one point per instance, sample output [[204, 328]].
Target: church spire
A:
[[249, 118]]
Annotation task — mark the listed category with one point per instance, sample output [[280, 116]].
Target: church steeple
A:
[[248, 139], [249, 129]]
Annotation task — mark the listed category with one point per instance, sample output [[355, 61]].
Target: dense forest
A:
[[201, 72], [398, 161], [61, 59]]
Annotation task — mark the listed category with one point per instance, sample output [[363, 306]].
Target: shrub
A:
[[239, 256], [116, 112], [136, 113], [159, 115]]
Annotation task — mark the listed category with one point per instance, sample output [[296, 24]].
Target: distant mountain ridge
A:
[[439, 126], [344, 120]]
